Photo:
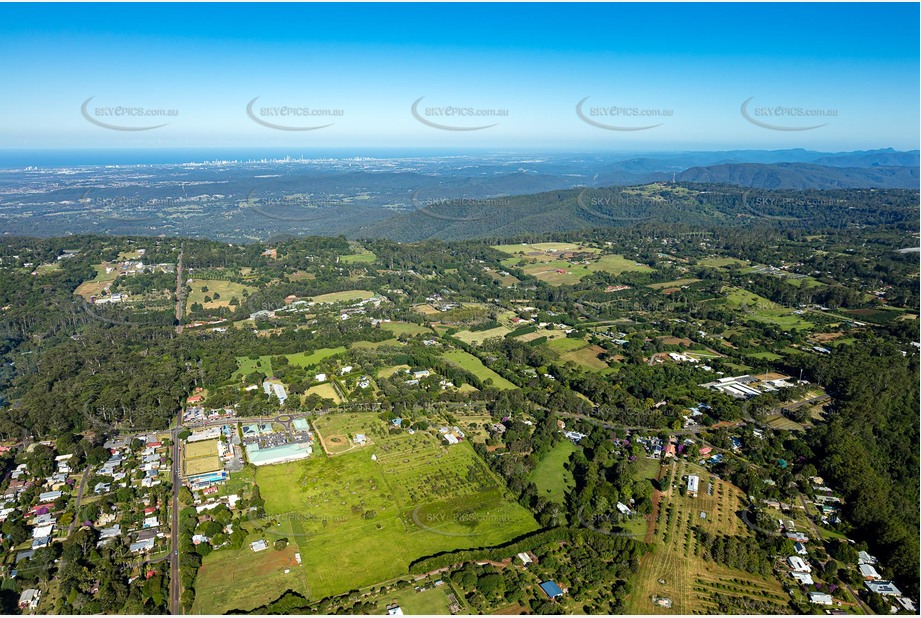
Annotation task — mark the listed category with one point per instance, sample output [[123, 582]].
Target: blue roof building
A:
[[553, 591]]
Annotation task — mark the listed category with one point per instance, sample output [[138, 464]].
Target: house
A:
[[551, 589], [42, 531], [800, 549], [421, 374], [820, 598], [525, 558], [142, 546], [869, 573], [803, 578], [29, 598], [450, 438], [865, 558], [797, 564], [693, 484], [258, 546], [887, 589], [394, 610], [360, 439], [320, 377], [345, 370]]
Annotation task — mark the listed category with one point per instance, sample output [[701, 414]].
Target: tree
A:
[[280, 544], [185, 496]]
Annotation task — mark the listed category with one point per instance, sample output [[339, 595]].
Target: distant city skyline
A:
[[575, 77]]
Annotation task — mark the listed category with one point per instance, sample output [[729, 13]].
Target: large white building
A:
[[693, 484]]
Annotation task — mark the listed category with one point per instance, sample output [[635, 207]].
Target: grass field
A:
[[366, 257], [359, 521], [676, 570], [479, 336], [551, 479], [431, 602], [763, 310], [475, 366], [97, 284], [677, 283], [327, 391], [200, 457], [247, 365], [406, 328], [532, 249], [386, 372], [578, 351], [342, 297], [721, 262], [566, 344], [243, 579], [226, 289]]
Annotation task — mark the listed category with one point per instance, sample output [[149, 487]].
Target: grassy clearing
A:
[[243, 579], [387, 372], [618, 264], [677, 283], [432, 602], [721, 262], [475, 366], [551, 479], [263, 364], [327, 391], [359, 521], [479, 336], [200, 457], [587, 357], [567, 344], [97, 284], [763, 310], [226, 290], [406, 328], [366, 257], [342, 297]]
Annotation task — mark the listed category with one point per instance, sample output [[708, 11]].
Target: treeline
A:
[[869, 446], [531, 542]]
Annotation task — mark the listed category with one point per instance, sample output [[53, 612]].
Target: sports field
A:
[[359, 521], [471, 363]]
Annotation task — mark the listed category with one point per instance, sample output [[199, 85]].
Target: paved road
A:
[[174, 528], [83, 479]]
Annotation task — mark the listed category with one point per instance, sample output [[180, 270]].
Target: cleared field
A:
[[406, 328], [227, 290], [763, 310], [549, 334], [566, 344], [677, 283], [243, 579], [359, 521], [531, 249], [327, 391], [386, 372], [721, 262], [97, 284], [617, 264], [479, 336], [200, 457], [431, 602], [342, 297], [587, 357], [765, 355], [365, 257], [247, 365], [676, 570], [551, 479], [302, 359], [475, 366]]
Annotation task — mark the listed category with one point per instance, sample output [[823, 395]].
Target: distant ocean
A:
[[19, 158]]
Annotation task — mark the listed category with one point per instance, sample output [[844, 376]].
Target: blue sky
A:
[[689, 65]]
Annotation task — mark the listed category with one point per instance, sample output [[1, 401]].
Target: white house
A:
[[820, 598]]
